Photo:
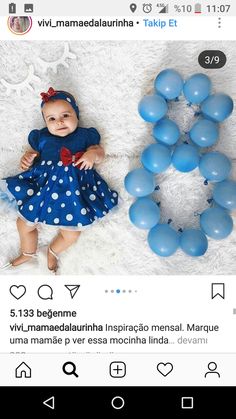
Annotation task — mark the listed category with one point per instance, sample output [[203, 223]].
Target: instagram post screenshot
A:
[[118, 208]]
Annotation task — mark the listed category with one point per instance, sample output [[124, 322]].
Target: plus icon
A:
[[117, 369]]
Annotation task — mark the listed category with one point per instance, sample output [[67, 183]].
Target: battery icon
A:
[[198, 8]]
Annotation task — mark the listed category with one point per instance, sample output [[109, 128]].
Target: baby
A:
[[59, 186]]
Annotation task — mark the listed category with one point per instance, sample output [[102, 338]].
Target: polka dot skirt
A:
[[58, 195]]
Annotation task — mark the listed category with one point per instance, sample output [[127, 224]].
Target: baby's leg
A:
[[28, 241], [62, 241]]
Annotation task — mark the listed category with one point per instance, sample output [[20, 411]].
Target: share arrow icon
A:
[[73, 289]]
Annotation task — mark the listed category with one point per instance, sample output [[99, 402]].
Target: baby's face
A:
[[60, 117], [16, 23]]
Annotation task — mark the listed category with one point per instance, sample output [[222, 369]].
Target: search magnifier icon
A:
[[69, 368]]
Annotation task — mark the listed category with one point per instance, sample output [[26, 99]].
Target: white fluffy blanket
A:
[[109, 79]]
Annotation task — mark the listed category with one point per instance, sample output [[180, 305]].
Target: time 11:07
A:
[[221, 8]]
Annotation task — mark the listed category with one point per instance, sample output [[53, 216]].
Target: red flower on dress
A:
[[68, 158]]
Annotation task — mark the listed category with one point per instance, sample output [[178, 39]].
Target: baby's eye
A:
[[51, 119], [66, 115]]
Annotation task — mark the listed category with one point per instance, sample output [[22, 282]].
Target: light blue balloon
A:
[[224, 194], [204, 133], [169, 83], [139, 182], [166, 131], [215, 166], [217, 107], [193, 242], [144, 213], [215, 205], [152, 108], [156, 158], [197, 88], [185, 158], [216, 223], [163, 240]]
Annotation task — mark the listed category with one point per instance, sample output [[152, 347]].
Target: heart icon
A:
[[17, 291], [164, 369]]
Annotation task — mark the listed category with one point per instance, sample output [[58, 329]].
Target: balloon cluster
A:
[[185, 156]]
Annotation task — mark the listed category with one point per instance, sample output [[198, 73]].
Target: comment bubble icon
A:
[[45, 292]]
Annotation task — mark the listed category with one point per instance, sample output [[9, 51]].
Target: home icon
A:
[[23, 371]]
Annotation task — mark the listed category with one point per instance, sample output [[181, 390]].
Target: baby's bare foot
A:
[[52, 261]]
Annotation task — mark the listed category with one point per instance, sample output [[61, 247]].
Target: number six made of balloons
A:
[[216, 221]]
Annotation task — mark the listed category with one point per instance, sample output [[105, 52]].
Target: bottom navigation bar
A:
[[119, 401], [118, 369]]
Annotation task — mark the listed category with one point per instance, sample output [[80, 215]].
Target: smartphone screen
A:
[[117, 208]]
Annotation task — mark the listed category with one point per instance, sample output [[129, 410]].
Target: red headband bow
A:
[[46, 96]]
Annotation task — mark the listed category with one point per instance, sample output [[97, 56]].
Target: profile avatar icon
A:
[[212, 369], [19, 25]]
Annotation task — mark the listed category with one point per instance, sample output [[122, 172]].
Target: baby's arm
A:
[[99, 153], [28, 158], [94, 154]]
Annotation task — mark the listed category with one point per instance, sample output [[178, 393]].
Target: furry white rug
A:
[[109, 79]]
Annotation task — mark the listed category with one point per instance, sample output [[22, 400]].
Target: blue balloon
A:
[[156, 158], [166, 131], [139, 182], [217, 107], [152, 108], [193, 242], [215, 166], [185, 158], [197, 88], [216, 223], [163, 240], [215, 205], [144, 213], [224, 194], [169, 83], [204, 133]]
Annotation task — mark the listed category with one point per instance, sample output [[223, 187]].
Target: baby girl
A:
[[59, 185]]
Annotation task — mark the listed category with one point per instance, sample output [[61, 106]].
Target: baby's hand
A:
[[27, 160], [87, 160]]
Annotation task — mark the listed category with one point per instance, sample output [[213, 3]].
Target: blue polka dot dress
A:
[[57, 193]]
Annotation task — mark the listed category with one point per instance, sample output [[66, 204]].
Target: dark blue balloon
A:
[[152, 108], [193, 242], [204, 133], [217, 107], [156, 158], [224, 194], [215, 166], [185, 158], [144, 213], [166, 131], [216, 223], [197, 88], [139, 182], [169, 83], [163, 240]]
